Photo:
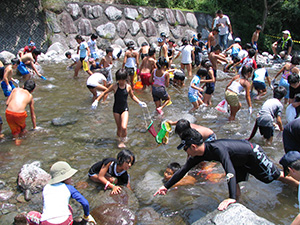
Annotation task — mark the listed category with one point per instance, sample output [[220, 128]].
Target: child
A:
[[248, 61], [94, 66], [120, 109], [111, 171], [209, 81], [271, 109], [228, 68], [171, 169], [197, 51], [6, 77], [160, 79], [195, 90], [178, 79], [147, 66], [144, 50], [235, 48], [29, 60], [74, 58], [106, 64], [234, 88], [258, 79], [171, 51], [292, 112], [254, 39], [56, 197], [131, 61], [188, 56], [16, 110], [84, 51], [93, 46], [96, 82]]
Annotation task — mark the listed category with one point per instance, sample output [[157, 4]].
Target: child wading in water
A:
[[120, 108], [160, 79], [111, 171]]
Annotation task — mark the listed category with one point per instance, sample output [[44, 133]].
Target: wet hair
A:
[[29, 85], [109, 49], [162, 61], [247, 46], [217, 47], [199, 35], [259, 66], [295, 59], [151, 51], [78, 37], [121, 74], [36, 51], [184, 41], [251, 52], [293, 78], [246, 70], [181, 126], [15, 61], [279, 92], [179, 75], [206, 63], [236, 59], [194, 40], [174, 166], [201, 72], [94, 36], [144, 44], [216, 29], [171, 40], [124, 156], [219, 11], [68, 54], [258, 27]]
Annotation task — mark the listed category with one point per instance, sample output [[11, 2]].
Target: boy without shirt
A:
[[147, 66]]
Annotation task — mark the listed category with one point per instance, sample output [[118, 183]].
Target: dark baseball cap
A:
[[189, 137], [287, 159]]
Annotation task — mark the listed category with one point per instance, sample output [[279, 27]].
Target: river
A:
[[93, 137]]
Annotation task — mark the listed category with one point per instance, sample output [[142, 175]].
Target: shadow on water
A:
[[92, 136]]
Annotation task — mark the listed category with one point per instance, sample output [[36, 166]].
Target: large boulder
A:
[[67, 24], [52, 22], [107, 31], [235, 214], [192, 20], [92, 12], [57, 47], [202, 20], [144, 12], [6, 57], [122, 28], [177, 32], [158, 15], [134, 28], [170, 17], [131, 13], [5, 195], [148, 28], [113, 13], [163, 27], [180, 18], [85, 27], [74, 10]]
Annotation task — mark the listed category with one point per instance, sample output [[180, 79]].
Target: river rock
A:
[[235, 214], [144, 12], [64, 120], [141, 40], [148, 28], [158, 15], [9, 218], [120, 42], [52, 22], [57, 47], [92, 12], [131, 13], [122, 28], [163, 27], [134, 28], [2, 184], [6, 57], [180, 18], [74, 10], [7, 208], [177, 32], [113, 13], [205, 33], [32, 178], [113, 213], [85, 27], [5, 195], [67, 24], [107, 31], [170, 17], [192, 20]]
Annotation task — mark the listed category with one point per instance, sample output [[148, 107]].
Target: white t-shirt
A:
[[186, 52], [224, 27], [95, 79]]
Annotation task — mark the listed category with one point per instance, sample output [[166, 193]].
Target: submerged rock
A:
[[235, 214], [63, 121]]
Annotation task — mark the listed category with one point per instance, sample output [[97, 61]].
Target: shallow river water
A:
[[93, 137]]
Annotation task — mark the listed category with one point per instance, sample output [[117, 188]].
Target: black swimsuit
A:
[[120, 104]]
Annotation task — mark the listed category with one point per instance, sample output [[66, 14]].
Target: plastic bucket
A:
[[152, 130], [165, 127]]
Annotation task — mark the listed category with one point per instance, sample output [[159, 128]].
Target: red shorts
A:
[[145, 78], [16, 121]]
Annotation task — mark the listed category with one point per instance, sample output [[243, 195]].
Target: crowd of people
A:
[[239, 158]]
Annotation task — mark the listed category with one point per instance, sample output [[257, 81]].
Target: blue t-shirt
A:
[[196, 81], [83, 49], [260, 74]]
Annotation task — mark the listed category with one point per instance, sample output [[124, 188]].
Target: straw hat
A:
[[61, 171]]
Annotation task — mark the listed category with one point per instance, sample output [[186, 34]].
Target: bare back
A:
[[204, 131], [18, 100], [27, 58], [148, 64]]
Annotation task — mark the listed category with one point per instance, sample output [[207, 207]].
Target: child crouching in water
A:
[[120, 109], [171, 169], [111, 171], [160, 79]]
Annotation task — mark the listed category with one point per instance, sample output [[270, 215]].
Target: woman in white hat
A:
[[56, 195]]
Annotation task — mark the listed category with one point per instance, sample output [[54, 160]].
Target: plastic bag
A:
[[222, 106], [230, 38]]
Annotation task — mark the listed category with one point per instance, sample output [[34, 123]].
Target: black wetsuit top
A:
[[238, 158], [120, 104], [122, 177], [291, 136], [1, 72]]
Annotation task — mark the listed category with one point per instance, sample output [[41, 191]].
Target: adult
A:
[[283, 46], [6, 77], [239, 158], [223, 23], [212, 39], [29, 60], [291, 136]]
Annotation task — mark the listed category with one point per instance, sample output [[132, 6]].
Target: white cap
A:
[[237, 39], [286, 32]]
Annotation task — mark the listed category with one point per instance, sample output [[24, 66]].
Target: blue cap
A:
[[160, 40], [287, 159]]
